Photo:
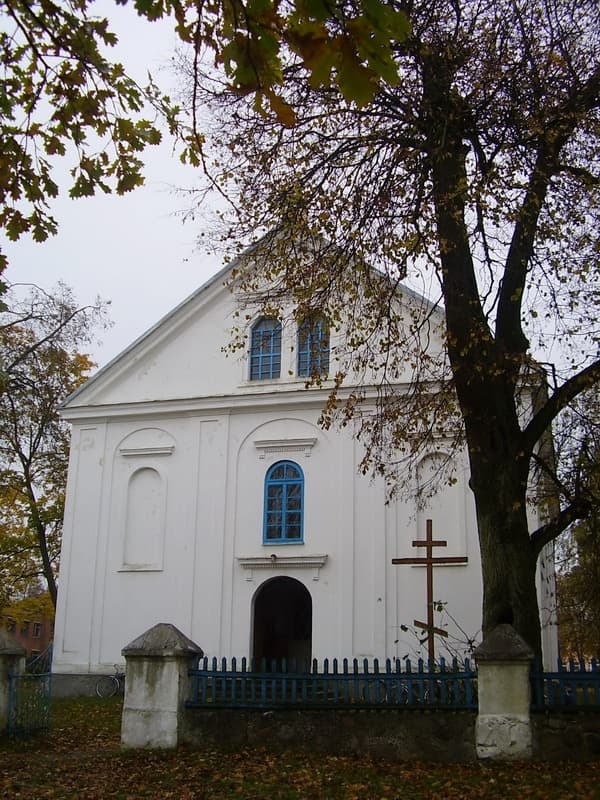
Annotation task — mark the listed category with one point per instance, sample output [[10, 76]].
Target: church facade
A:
[[203, 492]]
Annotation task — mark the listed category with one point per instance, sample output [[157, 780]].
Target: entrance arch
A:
[[282, 621]]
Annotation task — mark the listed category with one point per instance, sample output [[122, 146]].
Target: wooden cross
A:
[[429, 561]]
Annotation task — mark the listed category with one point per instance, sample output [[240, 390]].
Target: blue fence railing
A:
[[370, 684], [575, 685], [334, 684]]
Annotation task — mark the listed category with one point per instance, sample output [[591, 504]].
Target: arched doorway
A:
[[282, 622]]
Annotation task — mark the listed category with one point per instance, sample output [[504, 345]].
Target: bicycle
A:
[[110, 685], [395, 693]]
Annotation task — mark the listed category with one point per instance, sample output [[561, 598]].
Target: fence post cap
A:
[[9, 645], [503, 643], [162, 639]]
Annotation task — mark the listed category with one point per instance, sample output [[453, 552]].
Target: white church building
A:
[[203, 492]]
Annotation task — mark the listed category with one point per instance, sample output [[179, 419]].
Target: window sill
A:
[[283, 380]]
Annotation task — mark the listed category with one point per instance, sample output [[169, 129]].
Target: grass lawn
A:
[[81, 759]]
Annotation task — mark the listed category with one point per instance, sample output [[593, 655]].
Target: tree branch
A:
[[560, 399], [567, 117], [547, 533], [24, 354], [587, 177]]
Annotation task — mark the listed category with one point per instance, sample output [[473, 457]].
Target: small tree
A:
[[579, 597], [579, 549], [41, 364]]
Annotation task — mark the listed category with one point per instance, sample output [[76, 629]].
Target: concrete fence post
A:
[[503, 727], [12, 662], [156, 686]]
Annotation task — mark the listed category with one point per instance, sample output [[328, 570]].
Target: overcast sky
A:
[[133, 250]]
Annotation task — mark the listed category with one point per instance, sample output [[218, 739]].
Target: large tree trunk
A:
[[499, 481], [508, 561], [485, 373]]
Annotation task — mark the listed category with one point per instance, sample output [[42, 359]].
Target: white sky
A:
[[132, 250]]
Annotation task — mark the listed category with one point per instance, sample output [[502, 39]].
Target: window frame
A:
[[313, 358], [285, 511], [264, 360]]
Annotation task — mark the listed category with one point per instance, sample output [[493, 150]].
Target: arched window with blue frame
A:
[[313, 347], [284, 501], [265, 349]]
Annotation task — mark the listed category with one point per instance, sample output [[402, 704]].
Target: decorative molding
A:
[[275, 561], [271, 446], [287, 396], [164, 450], [140, 568]]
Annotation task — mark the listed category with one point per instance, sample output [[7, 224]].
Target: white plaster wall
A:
[[214, 477], [80, 545], [185, 356], [104, 602], [175, 404]]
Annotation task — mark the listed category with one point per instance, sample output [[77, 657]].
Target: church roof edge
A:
[[169, 315]]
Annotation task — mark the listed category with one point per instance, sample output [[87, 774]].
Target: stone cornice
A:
[[271, 446], [129, 452], [274, 561], [205, 406]]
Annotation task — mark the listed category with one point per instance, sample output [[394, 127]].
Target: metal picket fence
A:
[[574, 686], [336, 684], [28, 703]]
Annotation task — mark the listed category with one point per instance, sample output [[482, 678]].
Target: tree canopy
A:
[[61, 95], [477, 177], [40, 364]]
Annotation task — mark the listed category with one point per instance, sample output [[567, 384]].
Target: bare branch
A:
[[551, 530], [557, 401]]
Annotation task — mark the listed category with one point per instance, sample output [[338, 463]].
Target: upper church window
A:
[[284, 490], [313, 347], [265, 349]]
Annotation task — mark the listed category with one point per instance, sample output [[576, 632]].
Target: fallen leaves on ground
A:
[[81, 759]]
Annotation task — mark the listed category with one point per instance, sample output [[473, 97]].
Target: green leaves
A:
[[350, 46], [356, 81], [351, 49], [354, 50], [61, 97]]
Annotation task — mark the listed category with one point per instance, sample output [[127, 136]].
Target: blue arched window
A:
[[265, 349], [284, 500], [313, 347]]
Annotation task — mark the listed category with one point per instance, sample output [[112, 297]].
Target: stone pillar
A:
[[503, 727], [156, 686], [12, 662]]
